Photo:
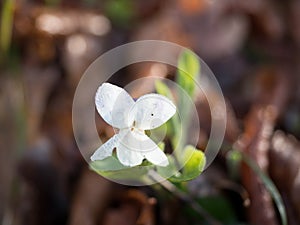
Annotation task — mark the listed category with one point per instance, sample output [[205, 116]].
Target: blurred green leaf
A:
[[218, 207], [233, 160], [6, 24], [187, 76], [188, 71], [121, 12], [136, 173], [108, 164], [110, 167], [173, 125], [193, 161], [52, 3], [163, 89]]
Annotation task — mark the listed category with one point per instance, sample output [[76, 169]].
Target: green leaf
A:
[[187, 77], [163, 89], [233, 161], [218, 207], [173, 125], [137, 173], [52, 3], [108, 164], [188, 71], [121, 12], [194, 161], [111, 168]]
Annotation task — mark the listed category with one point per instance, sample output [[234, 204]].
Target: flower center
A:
[[134, 128]]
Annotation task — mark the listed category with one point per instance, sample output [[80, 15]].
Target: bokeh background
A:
[[251, 46]]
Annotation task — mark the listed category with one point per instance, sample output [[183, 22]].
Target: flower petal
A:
[[128, 157], [106, 149], [157, 157], [135, 145], [113, 104], [151, 111]]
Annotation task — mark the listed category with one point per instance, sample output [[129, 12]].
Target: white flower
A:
[[132, 118]]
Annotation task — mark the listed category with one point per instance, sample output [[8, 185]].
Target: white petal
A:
[[113, 104], [157, 157], [105, 149], [136, 141], [151, 111], [128, 157], [134, 145], [130, 147]]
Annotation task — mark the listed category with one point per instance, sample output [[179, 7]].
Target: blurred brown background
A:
[[251, 46]]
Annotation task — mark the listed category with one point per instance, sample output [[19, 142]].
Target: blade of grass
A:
[[269, 185], [6, 25]]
